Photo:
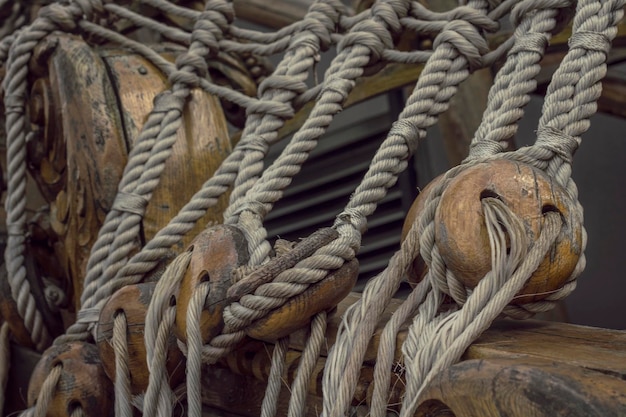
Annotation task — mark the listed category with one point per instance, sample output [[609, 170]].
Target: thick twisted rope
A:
[[119, 340], [428, 352], [338, 81], [535, 21], [255, 195], [53, 17], [445, 69], [158, 328], [117, 237]]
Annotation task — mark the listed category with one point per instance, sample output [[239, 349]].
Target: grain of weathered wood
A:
[[85, 150], [601, 350], [88, 107], [83, 382], [216, 253], [522, 387], [243, 395], [202, 142], [132, 301]]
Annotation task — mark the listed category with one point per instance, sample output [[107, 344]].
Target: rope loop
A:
[[321, 23], [209, 29], [191, 67], [474, 17], [442, 278], [370, 34], [466, 39], [390, 14], [528, 8]]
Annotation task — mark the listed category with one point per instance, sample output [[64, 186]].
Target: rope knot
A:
[[481, 219], [63, 17], [370, 34], [321, 21], [527, 9], [130, 203], [390, 14], [474, 17], [466, 39], [557, 143], [407, 131], [352, 218], [591, 41]]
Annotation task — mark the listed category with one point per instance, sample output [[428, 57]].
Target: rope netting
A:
[[438, 333]]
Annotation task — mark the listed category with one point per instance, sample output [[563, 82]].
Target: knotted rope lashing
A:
[[436, 339], [424, 351]]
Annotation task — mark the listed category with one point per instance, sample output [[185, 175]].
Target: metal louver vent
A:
[[324, 185]]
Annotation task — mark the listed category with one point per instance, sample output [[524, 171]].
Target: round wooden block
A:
[[83, 382], [133, 302], [419, 268], [297, 312], [217, 252], [461, 233]]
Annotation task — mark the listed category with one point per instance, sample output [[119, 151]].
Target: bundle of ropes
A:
[[439, 331]]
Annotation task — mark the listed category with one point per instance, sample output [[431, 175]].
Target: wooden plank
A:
[[243, 395], [601, 350], [517, 387], [274, 14], [202, 142], [566, 352]]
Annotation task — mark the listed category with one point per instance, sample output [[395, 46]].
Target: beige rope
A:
[[436, 339], [119, 340]]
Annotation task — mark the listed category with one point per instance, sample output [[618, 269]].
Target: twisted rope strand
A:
[[50, 18], [119, 341], [515, 81], [274, 380], [308, 360]]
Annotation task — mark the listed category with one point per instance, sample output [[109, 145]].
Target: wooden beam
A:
[[517, 387], [581, 352], [274, 14]]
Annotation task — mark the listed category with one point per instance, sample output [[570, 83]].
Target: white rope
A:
[[119, 340], [308, 360], [159, 323], [275, 378]]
